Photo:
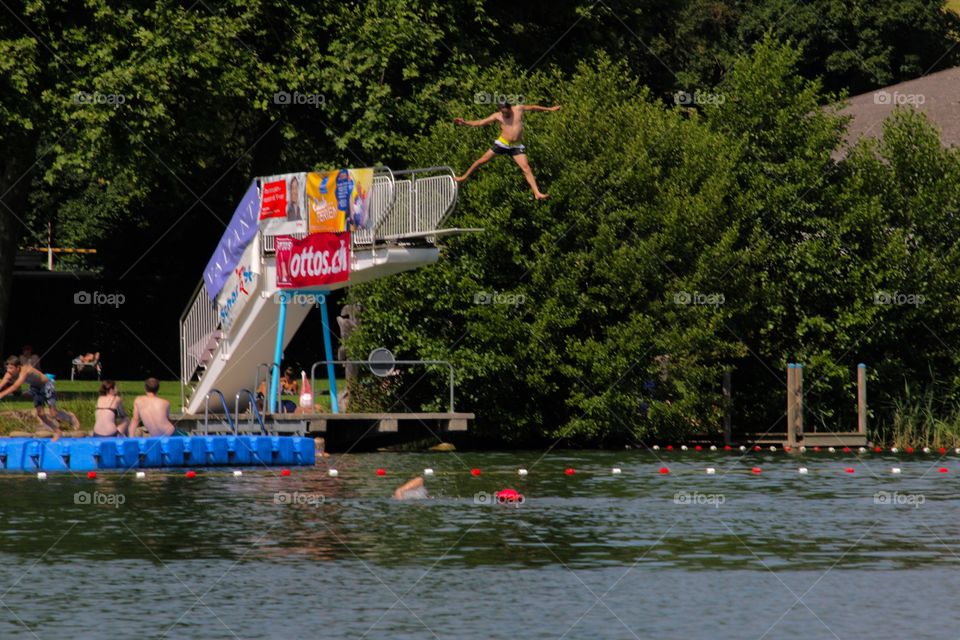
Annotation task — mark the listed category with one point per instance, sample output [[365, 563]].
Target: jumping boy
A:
[[44, 394], [510, 118]]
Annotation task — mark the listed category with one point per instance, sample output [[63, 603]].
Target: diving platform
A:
[[292, 240]]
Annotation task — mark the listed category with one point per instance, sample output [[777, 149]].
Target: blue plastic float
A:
[[93, 454]]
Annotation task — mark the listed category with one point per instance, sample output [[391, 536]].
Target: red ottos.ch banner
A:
[[318, 259]]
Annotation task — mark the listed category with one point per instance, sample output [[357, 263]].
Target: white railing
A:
[[198, 332]]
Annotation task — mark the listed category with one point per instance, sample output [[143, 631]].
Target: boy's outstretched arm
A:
[[536, 107], [14, 385], [476, 123]]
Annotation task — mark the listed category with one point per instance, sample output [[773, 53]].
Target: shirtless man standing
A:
[[153, 411], [510, 118], [44, 394]]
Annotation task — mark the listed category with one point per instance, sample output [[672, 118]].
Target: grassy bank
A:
[[80, 397]]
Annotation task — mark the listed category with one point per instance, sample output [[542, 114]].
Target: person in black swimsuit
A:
[[112, 420]]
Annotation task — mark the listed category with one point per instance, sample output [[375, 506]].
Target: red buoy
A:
[[942, 469], [698, 448], [849, 470], [285, 472], [846, 449], [909, 449], [474, 472], [786, 448], [756, 470], [570, 472], [756, 448], [664, 470], [91, 474], [191, 474], [727, 447], [669, 447], [817, 449], [381, 472], [878, 449], [942, 450]]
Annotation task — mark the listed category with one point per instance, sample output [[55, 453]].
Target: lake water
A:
[[592, 555]]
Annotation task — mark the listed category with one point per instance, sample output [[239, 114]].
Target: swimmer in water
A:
[[411, 490]]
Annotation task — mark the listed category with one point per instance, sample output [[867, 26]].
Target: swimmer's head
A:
[[13, 364]]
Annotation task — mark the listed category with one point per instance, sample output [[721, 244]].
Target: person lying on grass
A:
[[43, 392]]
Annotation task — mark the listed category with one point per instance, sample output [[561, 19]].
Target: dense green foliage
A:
[[133, 127]]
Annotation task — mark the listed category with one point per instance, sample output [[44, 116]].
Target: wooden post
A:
[[798, 403], [862, 399], [791, 406], [728, 395]]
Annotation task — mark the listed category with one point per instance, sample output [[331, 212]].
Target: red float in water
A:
[[664, 470], [942, 450], [942, 469], [786, 448], [846, 449], [727, 447], [669, 447], [698, 448], [191, 474], [848, 470], [285, 472], [474, 472], [756, 470], [817, 449], [909, 449], [570, 472], [381, 472], [91, 474], [756, 448], [878, 449]]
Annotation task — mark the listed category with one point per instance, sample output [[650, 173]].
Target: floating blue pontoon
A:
[[92, 454]]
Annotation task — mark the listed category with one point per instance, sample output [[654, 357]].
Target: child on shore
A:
[[43, 391]]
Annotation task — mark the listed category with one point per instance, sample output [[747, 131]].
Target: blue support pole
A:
[[278, 352], [328, 349]]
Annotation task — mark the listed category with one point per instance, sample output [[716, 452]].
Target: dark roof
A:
[[937, 95]]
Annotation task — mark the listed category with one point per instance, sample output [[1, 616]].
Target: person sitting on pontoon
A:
[[153, 410], [112, 420]]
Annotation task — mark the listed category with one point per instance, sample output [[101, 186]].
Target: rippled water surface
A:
[[593, 555]]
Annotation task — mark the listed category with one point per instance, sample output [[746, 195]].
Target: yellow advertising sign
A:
[[339, 200]]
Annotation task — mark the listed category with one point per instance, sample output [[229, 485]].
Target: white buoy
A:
[[803, 449], [522, 472], [41, 475], [862, 450], [333, 473], [615, 471], [773, 448], [895, 470], [237, 473], [802, 471], [141, 475], [894, 450], [428, 472], [926, 449], [713, 447], [742, 448], [683, 447], [957, 450], [656, 447], [711, 471], [832, 450]]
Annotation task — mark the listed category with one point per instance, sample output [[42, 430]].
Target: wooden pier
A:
[[329, 423]]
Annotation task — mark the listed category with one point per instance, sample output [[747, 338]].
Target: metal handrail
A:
[[256, 380], [206, 411], [313, 371], [254, 411]]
